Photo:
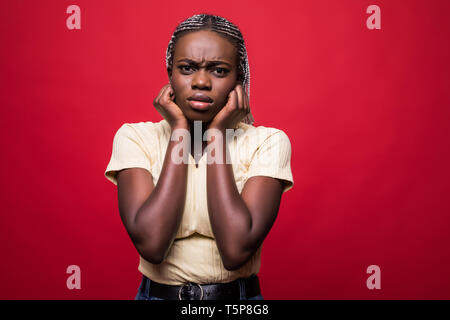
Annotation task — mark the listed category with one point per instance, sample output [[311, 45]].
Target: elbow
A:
[[233, 265], [153, 259], [152, 255], [234, 261], [150, 248]]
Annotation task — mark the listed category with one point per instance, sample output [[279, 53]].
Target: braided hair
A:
[[224, 28]]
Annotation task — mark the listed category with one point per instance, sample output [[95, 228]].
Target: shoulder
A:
[[145, 129], [143, 133], [142, 137], [270, 154], [262, 135], [136, 145]]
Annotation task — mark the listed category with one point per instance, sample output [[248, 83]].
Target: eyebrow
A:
[[209, 63]]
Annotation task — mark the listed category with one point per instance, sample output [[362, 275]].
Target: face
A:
[[203, 63]]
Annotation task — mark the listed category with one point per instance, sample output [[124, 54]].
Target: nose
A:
[[201, 80]]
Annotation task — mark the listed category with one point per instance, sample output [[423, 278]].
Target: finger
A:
[[171, 93], [158, 97], [166, 96], [166, 92], [233, 100], [240, 96], [163, 90], [246, 107]]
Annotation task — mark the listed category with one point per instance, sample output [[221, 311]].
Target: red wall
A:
[[367, 112]]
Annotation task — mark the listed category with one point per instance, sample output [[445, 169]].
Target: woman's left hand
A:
[[234, 111]]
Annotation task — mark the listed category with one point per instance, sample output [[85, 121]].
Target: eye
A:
[[185, 68], [221, 71]]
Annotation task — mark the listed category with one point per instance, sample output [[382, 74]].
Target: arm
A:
[[240, 222], [152, 214]]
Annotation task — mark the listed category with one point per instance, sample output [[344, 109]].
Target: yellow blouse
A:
[[194, 256]]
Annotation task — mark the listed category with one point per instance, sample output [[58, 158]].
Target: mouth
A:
[[200, 101], [200, 105]]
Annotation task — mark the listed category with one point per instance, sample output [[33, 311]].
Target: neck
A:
[[197, 130], [198, 125]]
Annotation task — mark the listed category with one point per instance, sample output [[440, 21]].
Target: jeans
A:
[[146, 283]]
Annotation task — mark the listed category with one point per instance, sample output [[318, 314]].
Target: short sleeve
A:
[[127, 152], [272, 158]]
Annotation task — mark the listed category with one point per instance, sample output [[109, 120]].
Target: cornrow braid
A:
[[224, 28]]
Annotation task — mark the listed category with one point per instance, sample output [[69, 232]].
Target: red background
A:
[[367, 112]]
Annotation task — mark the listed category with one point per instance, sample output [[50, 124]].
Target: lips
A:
[[200, 97], [200, 101]]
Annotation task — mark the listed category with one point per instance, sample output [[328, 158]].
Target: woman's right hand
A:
[[165, 105]]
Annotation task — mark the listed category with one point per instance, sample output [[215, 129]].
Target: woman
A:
[[198, 224]]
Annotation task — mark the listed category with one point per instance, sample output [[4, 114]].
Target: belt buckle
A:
[[190, 285]]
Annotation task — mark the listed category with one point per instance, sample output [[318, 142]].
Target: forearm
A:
[[230, 218], [158, 220]]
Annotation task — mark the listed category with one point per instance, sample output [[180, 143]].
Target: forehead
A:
[[204, 45]]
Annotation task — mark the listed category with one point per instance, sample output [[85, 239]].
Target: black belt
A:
[[213, 291]]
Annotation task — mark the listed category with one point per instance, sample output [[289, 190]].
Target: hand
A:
[[165, 105], [234, 111]]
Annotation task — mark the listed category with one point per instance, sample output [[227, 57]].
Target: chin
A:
[[194, 115]]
